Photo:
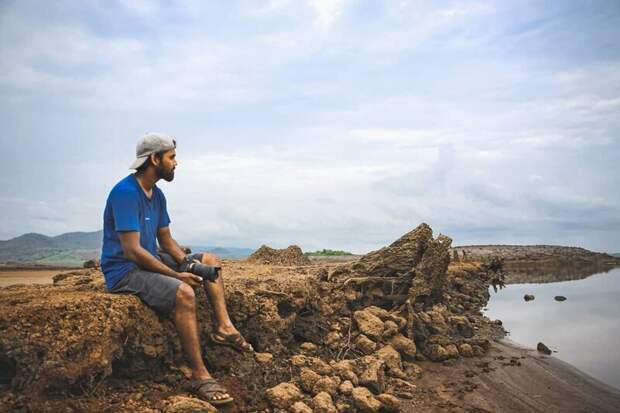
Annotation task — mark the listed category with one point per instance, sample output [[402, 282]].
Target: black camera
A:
[[207, 272]]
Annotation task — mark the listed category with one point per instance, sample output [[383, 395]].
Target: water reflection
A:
[[584, 329], [553, 271]]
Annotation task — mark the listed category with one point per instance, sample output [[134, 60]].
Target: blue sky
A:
[[329, 124]]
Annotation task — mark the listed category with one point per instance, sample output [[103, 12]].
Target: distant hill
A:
[[232, 253], [615, 254], [73, 248]]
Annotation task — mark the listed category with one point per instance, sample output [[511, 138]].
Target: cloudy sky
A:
[[325, 123]]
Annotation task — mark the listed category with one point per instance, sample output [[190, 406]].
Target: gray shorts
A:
[[156, 290]]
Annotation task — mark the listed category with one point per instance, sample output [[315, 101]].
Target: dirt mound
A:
[[331, 338], [291, 255]]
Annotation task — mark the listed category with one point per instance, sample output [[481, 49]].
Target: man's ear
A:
[[154, 159]]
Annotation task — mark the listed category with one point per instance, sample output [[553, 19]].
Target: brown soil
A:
[[397, 323], [26, 276], [291, 255], [510, 378]]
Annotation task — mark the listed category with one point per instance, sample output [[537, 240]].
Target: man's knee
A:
[[211, 259], [185, 296]]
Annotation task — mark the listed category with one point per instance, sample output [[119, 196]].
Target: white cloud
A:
[[327, 11]]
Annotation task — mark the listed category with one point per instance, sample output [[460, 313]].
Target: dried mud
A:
[[331, 337]]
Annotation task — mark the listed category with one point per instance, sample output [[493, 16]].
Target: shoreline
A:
[[511, 378]]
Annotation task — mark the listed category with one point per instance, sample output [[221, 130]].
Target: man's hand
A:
[[189, 278]]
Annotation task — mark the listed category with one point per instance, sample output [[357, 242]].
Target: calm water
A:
[[584, 329]]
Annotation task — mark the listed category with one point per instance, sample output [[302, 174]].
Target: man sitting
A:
[[135, 220]]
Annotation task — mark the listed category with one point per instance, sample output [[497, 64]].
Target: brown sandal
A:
[[235, 341], [208, 390]]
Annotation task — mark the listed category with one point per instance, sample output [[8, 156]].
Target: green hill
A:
[[72, 248]]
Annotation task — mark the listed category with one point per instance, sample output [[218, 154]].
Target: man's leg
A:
[[215, 292], [187, 327]]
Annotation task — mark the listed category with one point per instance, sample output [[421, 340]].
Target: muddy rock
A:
[[405, 346], [284, 395], [344, 407], [373, 374], [541, 347], [300, 407], [308, 378], [263, 358], [91, 263], [391, 329], [389, 403], [466, 350], [364, 401], [462, 325], [326, 385], [332, 340], [292, 255], [345, 387], [364, 344], [323, 403], [369, 324], [437, 352], [182, 404], [346, 370], [390, 356], [307, 347]]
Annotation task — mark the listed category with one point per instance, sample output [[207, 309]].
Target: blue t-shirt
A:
[[129, 209]]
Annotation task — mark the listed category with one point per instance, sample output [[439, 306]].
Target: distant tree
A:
[[455, 256]]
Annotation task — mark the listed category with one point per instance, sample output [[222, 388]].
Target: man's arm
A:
[[130, 242], [169, 244]]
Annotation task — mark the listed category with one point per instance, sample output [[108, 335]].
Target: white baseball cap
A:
[[151, 143]]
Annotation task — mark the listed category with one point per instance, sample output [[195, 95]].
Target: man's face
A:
[[165, 168]]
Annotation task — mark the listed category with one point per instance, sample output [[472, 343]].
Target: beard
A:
[[165, 174]]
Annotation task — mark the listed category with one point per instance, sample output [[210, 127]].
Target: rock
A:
[[308, 378], [437, 323], [437, 352], [343, 407], [379, 312], [364, 344], [528, 297], [314, 363], [413, 370], [323, 403], [364, 401], [326, 385], [390, 356], [405, 346], [300, 407], [541, 347], [182, 404], [369, 324], [333, 338], [284, 395], [452, 350], [91, 263], [559, 298], [373, 374], [346, 387], [463, 326], [466, 350], [263, 358], [308, 347], [293, 255], [346, 370], [390, 329], [389, 402]]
